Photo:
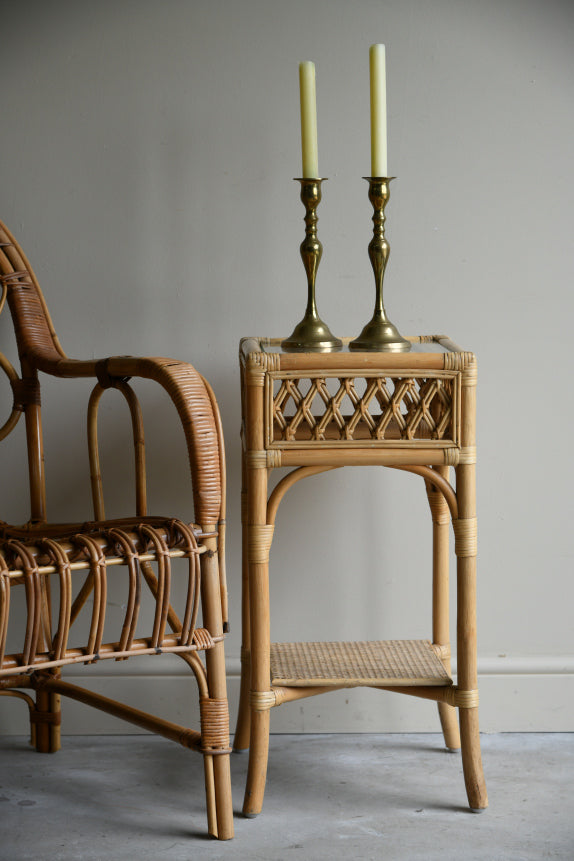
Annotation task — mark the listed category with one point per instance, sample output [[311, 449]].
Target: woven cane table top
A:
[[388, 662]]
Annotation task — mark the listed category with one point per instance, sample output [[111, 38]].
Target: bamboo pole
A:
[[258, 565], [218, 789], [395, 454], [186, 737], [243, 727], [440, 596], [466, 602]]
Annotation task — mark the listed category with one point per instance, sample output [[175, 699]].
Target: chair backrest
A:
[[35, 335], [39, 350]]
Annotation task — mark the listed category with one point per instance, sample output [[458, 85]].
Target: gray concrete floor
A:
[[328, 796]]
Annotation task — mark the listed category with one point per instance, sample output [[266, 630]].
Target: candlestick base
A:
[[380, 335], [311, 335]]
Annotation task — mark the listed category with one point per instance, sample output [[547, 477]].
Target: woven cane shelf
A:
[[385, 662]]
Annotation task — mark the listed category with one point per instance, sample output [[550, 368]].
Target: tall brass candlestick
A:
[[379, 334], [311, 334]]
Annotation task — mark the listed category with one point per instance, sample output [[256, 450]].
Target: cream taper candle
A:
[[378, 110], [308, 119]]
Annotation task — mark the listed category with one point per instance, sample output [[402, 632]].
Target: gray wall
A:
[[147, 155]]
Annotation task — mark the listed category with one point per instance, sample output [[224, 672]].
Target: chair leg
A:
[[218, 796], [217, 773], [243, 727], [210, 794], [46, 718], [223, 801]]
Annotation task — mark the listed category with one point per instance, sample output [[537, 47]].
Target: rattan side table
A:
[[320, 411]]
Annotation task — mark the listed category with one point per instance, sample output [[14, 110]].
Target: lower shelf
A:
[[384, 662]]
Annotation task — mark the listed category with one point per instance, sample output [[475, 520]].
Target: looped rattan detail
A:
[[33, 590], [214, 716], [4, 605], [163, 583], [203, 639], [16, 411], [62, 565], [32, 560], [259, 543], [465, 536], [127, 546]]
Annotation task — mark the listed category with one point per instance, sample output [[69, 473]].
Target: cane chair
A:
[[62, 569]]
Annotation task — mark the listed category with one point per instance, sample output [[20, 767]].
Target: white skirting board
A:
[[517, 694]]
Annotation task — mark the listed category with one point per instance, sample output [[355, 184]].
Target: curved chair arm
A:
[[191, 397]]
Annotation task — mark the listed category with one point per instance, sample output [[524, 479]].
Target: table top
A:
[[427, 351], [360, 400]]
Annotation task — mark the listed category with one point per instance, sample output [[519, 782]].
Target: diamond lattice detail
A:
[[346, 408]]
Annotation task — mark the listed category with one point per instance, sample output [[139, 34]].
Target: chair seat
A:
[[30, 555]]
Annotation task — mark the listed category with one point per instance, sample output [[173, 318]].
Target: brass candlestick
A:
[[379, 334], [311, 334]]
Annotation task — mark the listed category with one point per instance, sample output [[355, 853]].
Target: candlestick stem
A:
[[379, 334], [311, 334]]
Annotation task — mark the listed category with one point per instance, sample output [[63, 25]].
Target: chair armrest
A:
[[196, 408]]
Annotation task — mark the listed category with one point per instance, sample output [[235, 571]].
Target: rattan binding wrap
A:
[[386, 662]]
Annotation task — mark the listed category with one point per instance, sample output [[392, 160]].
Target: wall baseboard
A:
[[517, 694]]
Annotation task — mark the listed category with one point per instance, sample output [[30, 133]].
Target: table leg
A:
[[440, 590], [465, 535], [258, 546]]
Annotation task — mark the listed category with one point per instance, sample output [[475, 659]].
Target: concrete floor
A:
[[328, 796]]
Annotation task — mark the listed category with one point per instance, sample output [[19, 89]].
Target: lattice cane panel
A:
[[345, 409]]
